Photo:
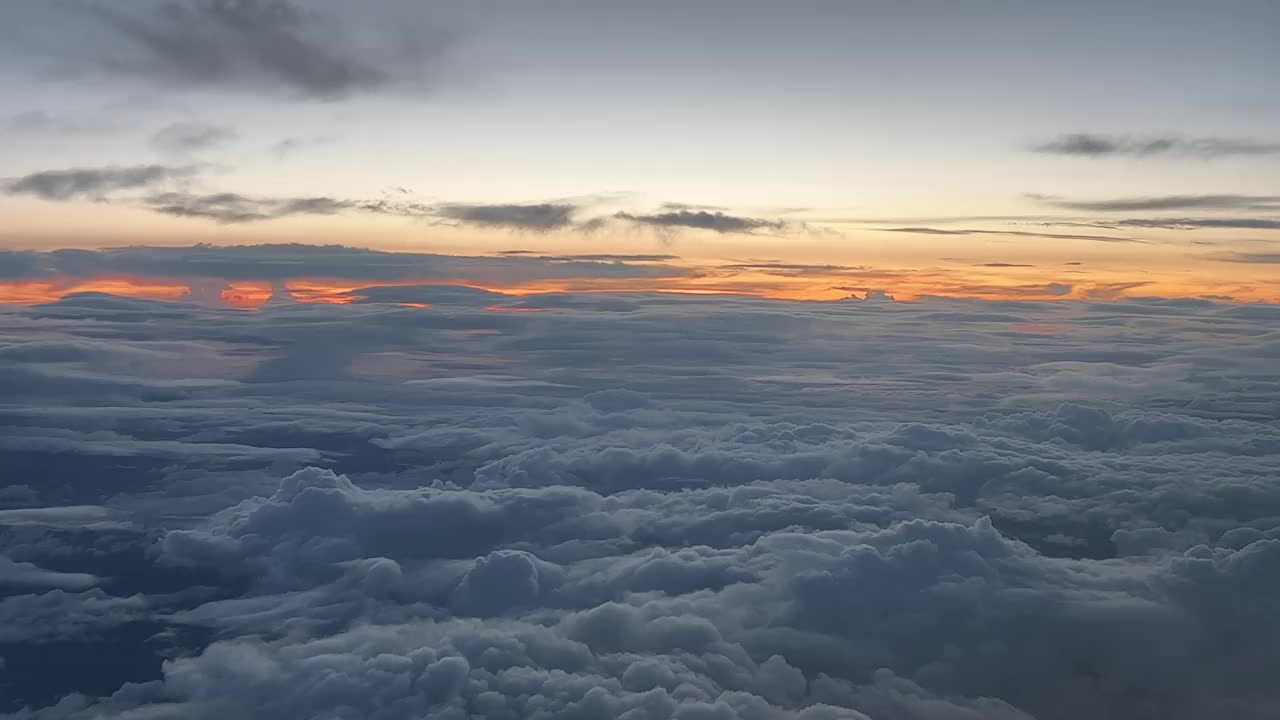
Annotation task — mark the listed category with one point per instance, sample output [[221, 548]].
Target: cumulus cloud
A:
[[264, 46], [716, 221], [1098, 145], [94, 183], [634, 505]]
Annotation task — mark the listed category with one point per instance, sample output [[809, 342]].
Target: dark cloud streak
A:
[[702, 220], [539, 217], [1015, 233], [94, 183], [1096, 145], [1163, 202]]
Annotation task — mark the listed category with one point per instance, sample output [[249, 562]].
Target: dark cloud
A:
[[94, 183], [1096, 145], [283, 262], [702, 220], [1004, 265], [539, 217], [191, 136], [1164, 202], [1193, 223], [1014, 233], [1258, 258], [256, 45], [793, 269], [236, 208]]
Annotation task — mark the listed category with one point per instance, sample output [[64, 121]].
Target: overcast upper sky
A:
[[1138, 137]]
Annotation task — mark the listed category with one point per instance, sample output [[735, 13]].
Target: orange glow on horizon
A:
[[783, 284], [247, 295], [34, 292]]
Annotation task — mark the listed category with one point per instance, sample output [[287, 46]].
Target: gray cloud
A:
[[284, 262], [702, 220], [1163, 202], [237, 208], [794, 269], [1014, 233], [191, 136], [1258, 258], [94, 183], [540, 216], [1098, 145], [1193, 223], [256, 45], [40, 121], [594, 257]]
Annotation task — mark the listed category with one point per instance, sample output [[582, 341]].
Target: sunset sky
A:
[[808, 150], [639, 359]]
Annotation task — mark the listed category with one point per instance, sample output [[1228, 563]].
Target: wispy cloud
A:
[[182, 137], [1194, 223], [94, 183], [1095, 145], [1162, 202], [1014, 233], [41, 121], [538, 216], [592, 257], [236, 208], [1250, 258], [716, 221], [1113, 290], [253, 45]]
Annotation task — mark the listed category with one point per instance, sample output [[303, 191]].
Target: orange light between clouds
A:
[[901, 284], [32, 292]]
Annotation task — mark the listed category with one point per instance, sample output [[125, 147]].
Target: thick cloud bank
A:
[[640, 507]]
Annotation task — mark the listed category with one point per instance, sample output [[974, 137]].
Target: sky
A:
[[980, 149], [639, 361]]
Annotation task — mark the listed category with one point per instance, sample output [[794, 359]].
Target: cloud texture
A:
[[640, 506], [273, 47]]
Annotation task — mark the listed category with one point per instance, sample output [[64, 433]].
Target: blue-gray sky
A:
[[809, 114]]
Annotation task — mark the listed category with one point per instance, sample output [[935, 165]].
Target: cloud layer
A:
[[636, 505]]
